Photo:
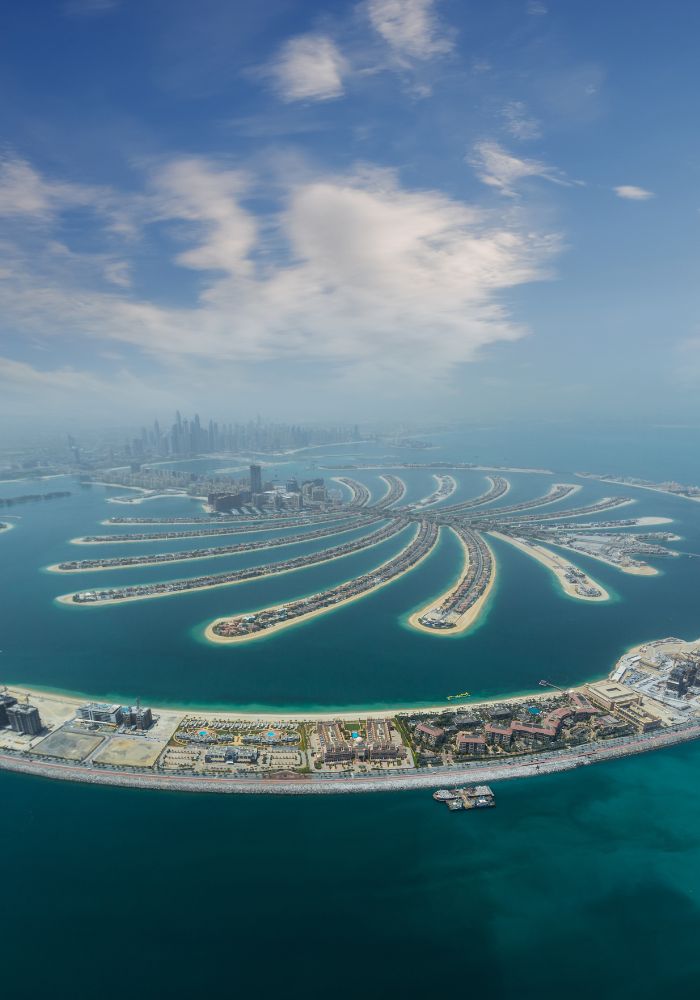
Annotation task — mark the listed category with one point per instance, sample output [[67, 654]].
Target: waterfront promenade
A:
[[477, 772]]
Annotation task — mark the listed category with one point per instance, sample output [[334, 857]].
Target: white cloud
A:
[[26, 195], [536, 9], [633, 193], [411, 28], [355, 273], [192, 190], [309, 68], [498, 168]]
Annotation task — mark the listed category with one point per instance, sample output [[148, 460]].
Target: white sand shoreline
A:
[[211, 636], [556, 565], [471, 615], [68, 598]]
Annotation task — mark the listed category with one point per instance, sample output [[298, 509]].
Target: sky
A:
[[385, 209]]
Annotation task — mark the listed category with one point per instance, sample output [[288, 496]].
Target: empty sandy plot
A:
[[131, 751], [67, 745]]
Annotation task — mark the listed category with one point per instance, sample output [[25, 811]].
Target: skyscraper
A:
[[25, 719], [255, 479]]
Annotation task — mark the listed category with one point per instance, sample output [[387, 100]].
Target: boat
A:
[[470, 797], [444, 795], [462, 694]]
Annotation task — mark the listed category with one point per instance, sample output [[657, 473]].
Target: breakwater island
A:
[[649, 701]]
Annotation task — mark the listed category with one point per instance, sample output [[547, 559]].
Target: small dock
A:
[[470, 797]]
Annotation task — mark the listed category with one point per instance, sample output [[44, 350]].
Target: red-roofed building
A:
[[496, 736], [466, 743], [533, 734], [433, 736]]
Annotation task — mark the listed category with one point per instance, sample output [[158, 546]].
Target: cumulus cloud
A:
[[498, 168], [411, 28], [309, 68], [354, 272], [632, 193]]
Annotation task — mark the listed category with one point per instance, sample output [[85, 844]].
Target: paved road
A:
[[314, 784]]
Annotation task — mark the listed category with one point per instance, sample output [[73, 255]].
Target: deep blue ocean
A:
[[583, 883]]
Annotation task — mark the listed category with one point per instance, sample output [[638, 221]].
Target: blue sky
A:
[[412, 208]]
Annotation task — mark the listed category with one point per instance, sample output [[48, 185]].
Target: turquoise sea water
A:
[[584, 883]]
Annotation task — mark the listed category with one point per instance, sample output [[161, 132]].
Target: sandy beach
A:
[[227, 640], [471, 615], [640, 521], [557, 565], [63, 705]]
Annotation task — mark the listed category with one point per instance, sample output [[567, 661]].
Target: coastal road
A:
[[314, 785]]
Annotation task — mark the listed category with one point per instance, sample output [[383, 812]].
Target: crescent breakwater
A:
[[634, 710], [290, 784], [138, 592], [458, 466]]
